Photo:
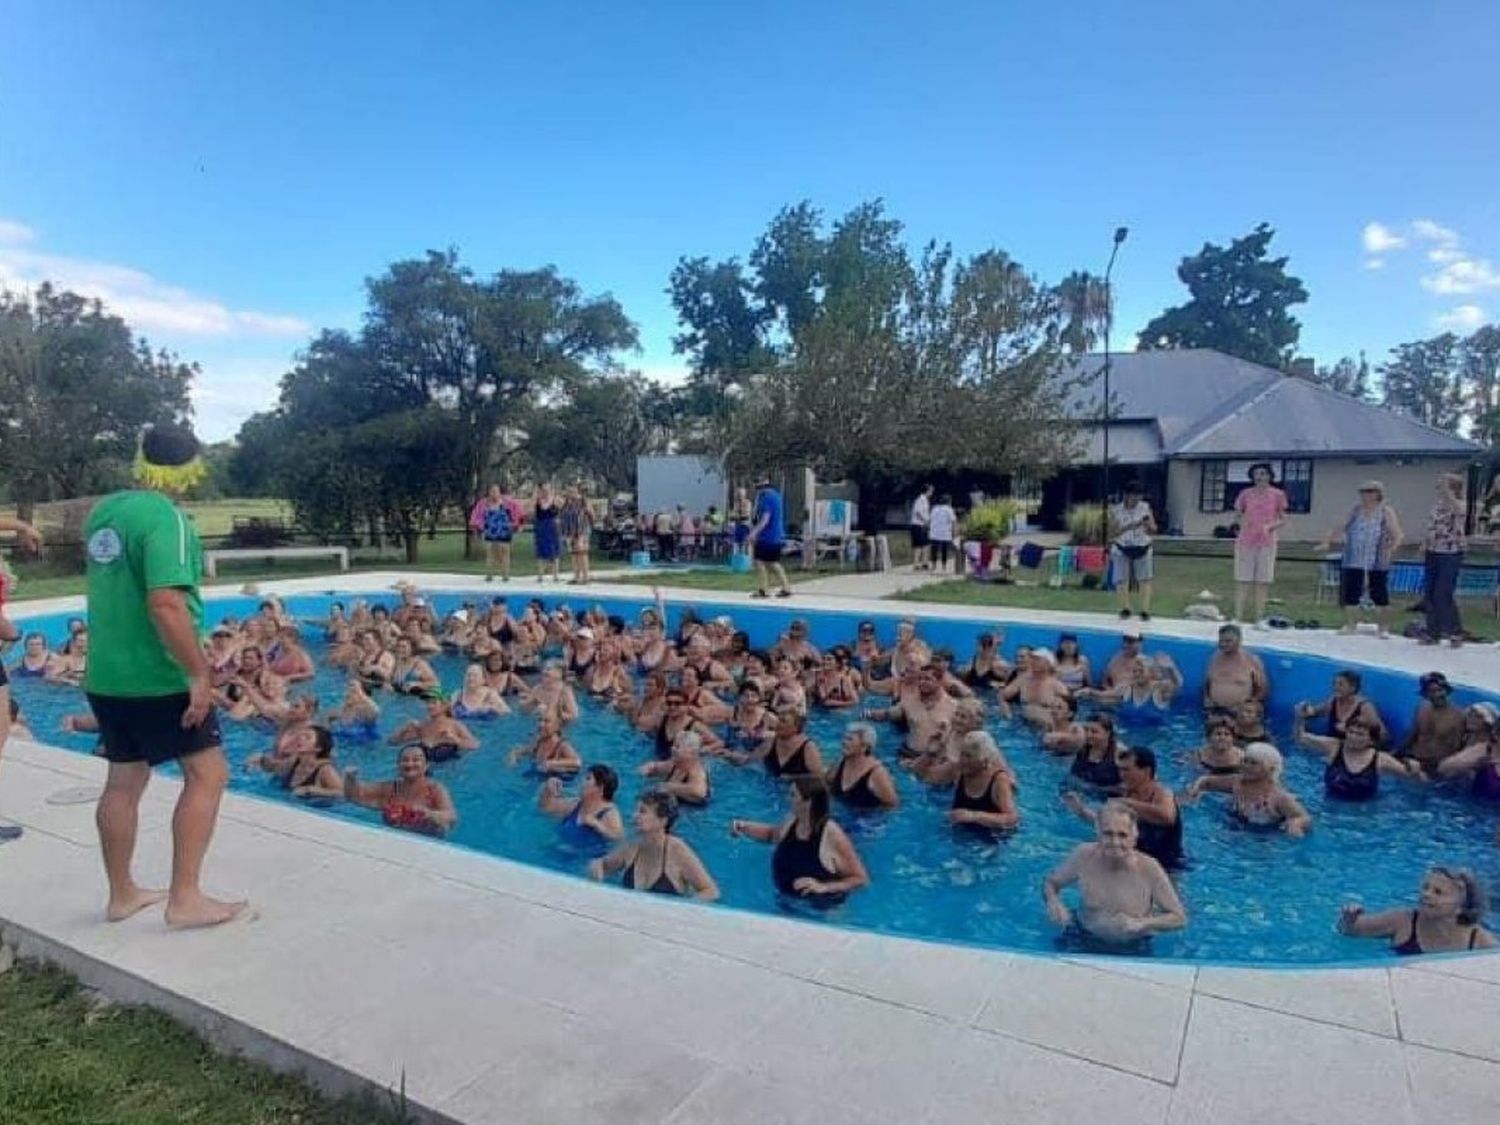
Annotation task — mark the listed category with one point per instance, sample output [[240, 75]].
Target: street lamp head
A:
[[1120, 234]]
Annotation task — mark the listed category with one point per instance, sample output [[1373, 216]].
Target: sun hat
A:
[[1372, 486]]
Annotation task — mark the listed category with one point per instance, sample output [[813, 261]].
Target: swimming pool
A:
[[1251, 898]]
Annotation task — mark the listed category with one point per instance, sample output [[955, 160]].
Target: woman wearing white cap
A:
[[1480, 760], [1370, 536]]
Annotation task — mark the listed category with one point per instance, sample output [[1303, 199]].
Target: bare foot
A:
[[132, 904], [201, 911]]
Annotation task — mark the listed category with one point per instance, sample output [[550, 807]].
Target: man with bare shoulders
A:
[[1234, 674], [1437, 729], [928, 715], [1117, 671], [1036, 688], [1125, 895], [148, 680]]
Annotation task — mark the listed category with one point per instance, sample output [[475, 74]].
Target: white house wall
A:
[[1335, 486]]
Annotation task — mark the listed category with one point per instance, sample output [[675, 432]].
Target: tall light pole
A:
[[1109, 318]]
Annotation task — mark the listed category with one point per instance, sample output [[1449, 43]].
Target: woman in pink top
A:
[[1262, 510]]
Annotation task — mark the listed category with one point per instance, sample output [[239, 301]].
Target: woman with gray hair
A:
[[1443, 549], [1257, 799], [984, 794], [859, 779], [1370, 534], [1447, 919]]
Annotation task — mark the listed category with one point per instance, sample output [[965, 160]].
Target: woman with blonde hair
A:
[[1443, 548]]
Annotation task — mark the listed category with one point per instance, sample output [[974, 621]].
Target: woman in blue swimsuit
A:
[[590, 819], [34, 657]]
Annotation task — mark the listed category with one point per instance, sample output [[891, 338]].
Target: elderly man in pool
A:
[[1125, 894], [1234, 675]]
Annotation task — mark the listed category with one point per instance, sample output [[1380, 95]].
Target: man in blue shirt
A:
[[767, 537]]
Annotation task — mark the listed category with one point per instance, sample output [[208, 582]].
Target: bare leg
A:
[[780, 572], [503, 550], [1240, 590], [204, 776], [116, 815], [1146, 596], [1262, 595], [762, 578]]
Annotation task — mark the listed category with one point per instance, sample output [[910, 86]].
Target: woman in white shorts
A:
[[1262, 510]]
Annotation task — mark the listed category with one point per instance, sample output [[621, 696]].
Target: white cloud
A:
[[1442, 254], [1379, 239], [1374, 263], [11, 231], [149, 306], [232, 389], [1463, 275], [1464, 318], [1434, 232]]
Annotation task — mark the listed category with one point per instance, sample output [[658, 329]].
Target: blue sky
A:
[[226, 175]]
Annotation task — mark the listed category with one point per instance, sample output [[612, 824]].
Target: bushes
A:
[[1086, 524], [993, 520]]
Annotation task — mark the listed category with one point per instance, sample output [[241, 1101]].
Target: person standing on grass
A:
[[496, 517], [577, 524], [545, 533], [1132, 525], [921, 517], [768, 538], [148, 681], [942, 526], [1262, 509], [1444, 555], [1371, 535], [29, 537]]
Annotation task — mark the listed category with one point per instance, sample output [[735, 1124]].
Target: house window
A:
[[1212, 486], [1222, 481], [1296, 482]]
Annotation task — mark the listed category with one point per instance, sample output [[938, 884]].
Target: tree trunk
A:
[[25, 510], [373, 529], [413, 545]]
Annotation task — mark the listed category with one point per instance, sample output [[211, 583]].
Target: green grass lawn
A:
[[1179, 580], [213, 517], [64, 1061]]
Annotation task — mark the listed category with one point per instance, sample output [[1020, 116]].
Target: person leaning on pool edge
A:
[[148, 679]]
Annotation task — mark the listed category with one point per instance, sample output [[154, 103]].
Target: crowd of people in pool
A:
[[702, 695]]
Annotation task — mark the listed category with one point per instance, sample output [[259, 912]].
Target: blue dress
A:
[[548, 545]]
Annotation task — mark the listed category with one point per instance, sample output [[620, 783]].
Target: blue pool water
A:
[[1251, 898]]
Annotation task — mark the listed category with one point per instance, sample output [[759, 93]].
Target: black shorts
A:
[[149, 729], [918, 536], [4, 676], [767, 552], [1356, 582]]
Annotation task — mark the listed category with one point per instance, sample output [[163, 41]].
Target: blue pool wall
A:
[[1294, 676]]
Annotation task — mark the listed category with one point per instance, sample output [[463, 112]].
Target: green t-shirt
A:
[[137, 541]]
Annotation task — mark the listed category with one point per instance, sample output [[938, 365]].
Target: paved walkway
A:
[[505, 993]]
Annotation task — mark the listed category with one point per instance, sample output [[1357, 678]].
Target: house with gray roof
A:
[[1189, 424]]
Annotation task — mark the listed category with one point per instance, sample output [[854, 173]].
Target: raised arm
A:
[[1317, 743]]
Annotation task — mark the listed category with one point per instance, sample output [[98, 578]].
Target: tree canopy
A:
[[845, 352], [1239, 304], [76, 388]]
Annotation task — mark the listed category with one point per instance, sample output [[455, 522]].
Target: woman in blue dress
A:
[[548, 540]]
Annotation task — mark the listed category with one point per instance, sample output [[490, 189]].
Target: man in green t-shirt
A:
[[148, 680]]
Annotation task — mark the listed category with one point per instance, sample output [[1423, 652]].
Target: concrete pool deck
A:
[[507, 993]]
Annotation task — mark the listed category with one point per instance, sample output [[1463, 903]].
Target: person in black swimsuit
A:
[[1097, 765], [683, 775], [858, 778], [788, 753], [987, 667], [984, 792], [1446, 920], [814, 859], [1354, 764], [1158, 819], [657, 861]]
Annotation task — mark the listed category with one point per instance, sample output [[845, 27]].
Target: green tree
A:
[[1239, 304], [1480, 374], [596, 433], [723, 326], [76, 387], [1347, 377], [1422, 379], [1085, 304], [893, 366], [487, 346]]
